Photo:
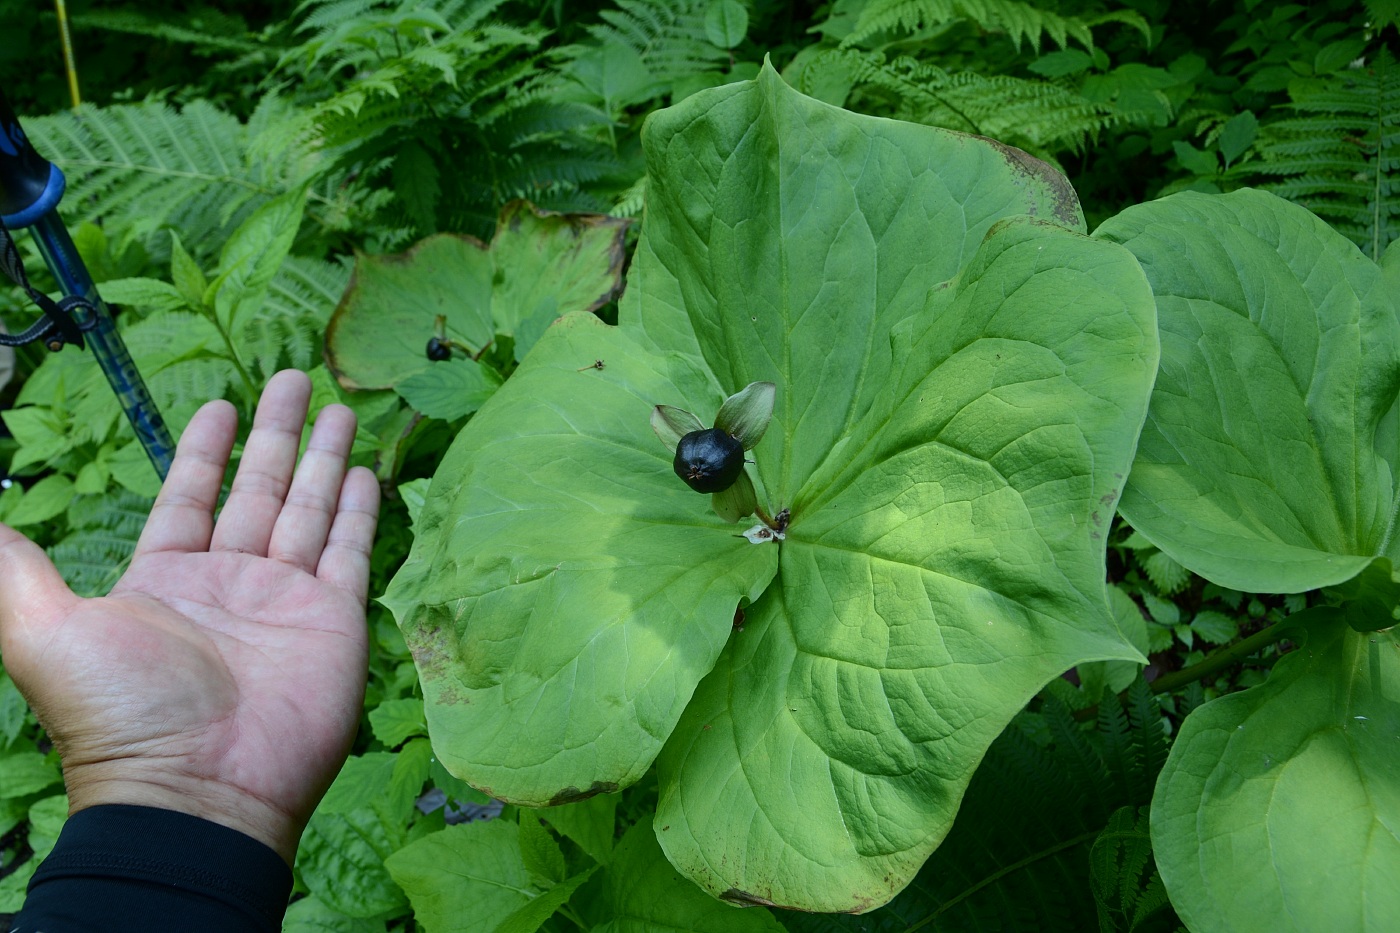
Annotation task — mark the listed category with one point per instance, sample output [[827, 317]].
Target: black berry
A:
[[709, 460]]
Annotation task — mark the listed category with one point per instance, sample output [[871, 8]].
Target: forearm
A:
[[119, 868]]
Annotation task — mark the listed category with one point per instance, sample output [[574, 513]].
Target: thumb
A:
[[31, 589]]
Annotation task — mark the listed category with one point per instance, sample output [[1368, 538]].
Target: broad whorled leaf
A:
[[1268, 464], [959, 392], [540, 265], [1300, 825], [1268, 461]]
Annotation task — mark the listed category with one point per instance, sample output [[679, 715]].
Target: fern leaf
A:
[[208, 29], [1021, 22], [284, 332], [668, 35], [139, 168], [106, 528], [1338, 158], [1037, 116], [1148, 732]]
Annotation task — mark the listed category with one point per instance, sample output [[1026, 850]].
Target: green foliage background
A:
[[332, 127]]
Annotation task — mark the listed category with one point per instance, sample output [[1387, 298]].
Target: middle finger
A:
[[265, 472]]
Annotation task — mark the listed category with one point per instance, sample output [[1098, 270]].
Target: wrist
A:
[[210, 800]]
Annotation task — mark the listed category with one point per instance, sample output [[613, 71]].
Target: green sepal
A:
[[671, 424], [737, 501], [746, 413]]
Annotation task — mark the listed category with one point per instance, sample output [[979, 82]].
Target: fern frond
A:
[[1038, 116], [1021, 22], [139, 168], [1149, 734], [1339, 157], [668, 35], [1123, 875], [209, 29], [106, 528], [284, 332]]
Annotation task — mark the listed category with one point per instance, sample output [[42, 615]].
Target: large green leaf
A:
[[959, 396], [1300, 829], [540, 265], [595, 588], [471, 877], [1268, 464], [640, 892], [1261, 467]]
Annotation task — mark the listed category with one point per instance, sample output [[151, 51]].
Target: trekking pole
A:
[[30, 189]]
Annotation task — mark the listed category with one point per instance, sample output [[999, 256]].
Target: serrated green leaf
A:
[[1165, 573], [362, 780], [589, 823], [25, 771], [1237, 135], [1215, 628], [1163, 611], [313, 915], [253, 254], [450, 389], [46, 819], [13, 710], [42, 501], [147, 294], [470, 870], [396, 721], [538, 850], [529, 917], [342, 861], [185, 273]]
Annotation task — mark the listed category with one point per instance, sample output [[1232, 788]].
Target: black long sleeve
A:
[[124, 869]]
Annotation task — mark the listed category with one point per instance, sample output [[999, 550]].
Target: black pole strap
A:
[[58, 326]]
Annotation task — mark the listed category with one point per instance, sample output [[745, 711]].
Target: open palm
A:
[[223, 675]]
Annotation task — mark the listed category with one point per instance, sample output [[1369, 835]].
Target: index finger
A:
[[182, 518]]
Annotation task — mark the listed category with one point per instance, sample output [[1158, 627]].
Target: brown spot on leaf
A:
[[573, 794], [744, 899], [1066, 209]]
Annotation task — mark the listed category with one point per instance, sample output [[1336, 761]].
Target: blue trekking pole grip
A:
[[30, 189]]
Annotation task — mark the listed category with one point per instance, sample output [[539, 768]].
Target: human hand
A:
[[224, 673]]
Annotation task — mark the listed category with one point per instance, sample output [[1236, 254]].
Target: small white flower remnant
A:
[[761, 533]]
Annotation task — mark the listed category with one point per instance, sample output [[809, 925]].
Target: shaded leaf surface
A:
[[642, 893], [1302, 781], [1264, 465]]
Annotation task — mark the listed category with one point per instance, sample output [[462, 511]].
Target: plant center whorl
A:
[[709, 460]]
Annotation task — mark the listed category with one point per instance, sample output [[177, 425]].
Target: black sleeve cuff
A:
[[120, 868]]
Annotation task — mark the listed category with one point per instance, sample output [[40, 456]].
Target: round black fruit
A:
[[438, 350], [709, 460]]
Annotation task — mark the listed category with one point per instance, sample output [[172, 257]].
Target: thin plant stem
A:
[[66, 41], [1222, 658]]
